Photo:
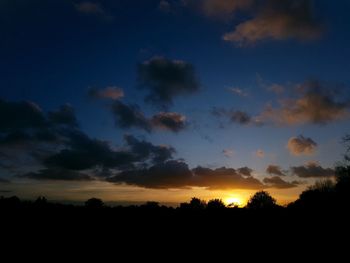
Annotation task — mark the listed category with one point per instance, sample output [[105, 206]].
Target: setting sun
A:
[[234, 200]]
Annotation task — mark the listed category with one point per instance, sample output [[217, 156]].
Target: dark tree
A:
[[41, 201], [216, 204], [94, 203], [261, 200], [151, 205], [197, 204]]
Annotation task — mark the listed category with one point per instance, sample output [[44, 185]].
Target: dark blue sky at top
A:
[[51, 54]]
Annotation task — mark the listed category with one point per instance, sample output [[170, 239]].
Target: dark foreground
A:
[[147, 233]]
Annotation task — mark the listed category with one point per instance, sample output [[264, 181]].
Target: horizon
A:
[[165, 100]]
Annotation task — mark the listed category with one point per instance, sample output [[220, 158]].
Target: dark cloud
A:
[[246, 171], [279, 183], [55, 142], [113, 93], [165, 79], [176, 174], [170, 174], [277, 20], [171, 121], [224, 178], [83, 153], [311, 170], [275, 170], [317, 104], [21, 115], [25, 123], [64, 116], [128, 116], [301, 145], [234, 116], [57, 174], [145, 150]]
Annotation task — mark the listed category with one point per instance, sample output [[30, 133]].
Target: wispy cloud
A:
[[94, 9], [238, 91], [228, 153], [111, 92]]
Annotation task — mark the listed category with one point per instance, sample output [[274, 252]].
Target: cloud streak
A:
[[112, 92], [176, 174], [312, 170]]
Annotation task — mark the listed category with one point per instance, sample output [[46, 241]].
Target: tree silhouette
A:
[[261, 200], [151, 205], [94, 203], [41, 201], [197, 204], [216, 204]]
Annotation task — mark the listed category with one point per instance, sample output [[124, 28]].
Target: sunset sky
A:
[[130, 100]]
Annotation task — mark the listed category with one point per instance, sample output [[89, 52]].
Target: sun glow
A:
[[234, 201]]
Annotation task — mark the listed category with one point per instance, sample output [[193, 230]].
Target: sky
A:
[[131, 101]]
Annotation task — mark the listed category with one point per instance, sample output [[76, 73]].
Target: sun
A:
[[234, 200]]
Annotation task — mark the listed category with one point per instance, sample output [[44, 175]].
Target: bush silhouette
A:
[[94, 203], [216, 204], [261, 200]]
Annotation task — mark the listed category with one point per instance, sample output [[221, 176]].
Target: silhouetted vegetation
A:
[[261, 200]]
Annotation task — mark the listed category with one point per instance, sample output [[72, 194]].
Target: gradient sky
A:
[[259, 84]]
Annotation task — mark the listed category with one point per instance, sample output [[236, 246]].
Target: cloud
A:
[[228, 153], [171, 121], [21, 115], [222, 9], [316, 104], [276, 88], [112, 92], [4, 181], [176, 174], [275, 170], [145, 150], [64, 116], [92, 8], [224, 178], [164, 6], [279, 183], [301, 146], [234, 116], [25, 125], [170, 174], [311, 170], [260, 153], [57, 174], [165, 79], [277, 20], [246, 171], [128, 116], [83, 152], [238, 91]]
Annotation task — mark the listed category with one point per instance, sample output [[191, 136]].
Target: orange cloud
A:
[[301, 145]]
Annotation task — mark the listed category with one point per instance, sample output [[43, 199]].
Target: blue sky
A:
[[53, 52]]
